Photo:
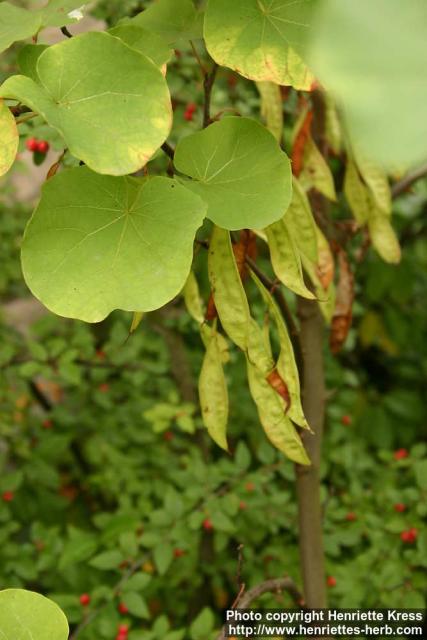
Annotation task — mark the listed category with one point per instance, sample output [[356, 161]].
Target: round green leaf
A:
[[110, 103], [25, 614], [97, 243], [260, 39], [372, 56], [239, 170], [9, 138], [150, 44]]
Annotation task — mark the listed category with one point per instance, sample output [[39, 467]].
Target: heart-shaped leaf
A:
[[239, 170], [9, 138], [260, 39], [25, 614], [97, 243], [110, 103]]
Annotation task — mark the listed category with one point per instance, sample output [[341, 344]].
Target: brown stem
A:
[[407, 181], [208, 83], [275, 585], [168, 150], [308, 478]]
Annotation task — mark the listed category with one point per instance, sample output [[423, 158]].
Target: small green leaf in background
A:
[[26, 614], [259, 38], [107, 560], [97, 243], [163, 556], [9, 138], [371, 56], [136, 604], [113, 113], [239, 169], [203, 625]]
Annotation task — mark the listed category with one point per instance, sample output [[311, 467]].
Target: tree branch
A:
[[275, 585], [407, 181], [208, 83], [168, 150]]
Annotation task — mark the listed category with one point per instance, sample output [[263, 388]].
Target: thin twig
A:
[[275, 585], [25, 118], [208, 83], [65, 31], [407, 181], [203, 70], [168, 150]]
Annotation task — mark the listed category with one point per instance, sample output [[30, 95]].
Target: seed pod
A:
[[316, 172], [136, 320], [356, 192], [276, 424], [285, 258], [286, 364], [192, 298], [383, 237], [229, 294], [300, 223], [213, 393], [271, 107], [341, 320]]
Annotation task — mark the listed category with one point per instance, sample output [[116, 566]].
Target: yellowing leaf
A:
[[113, 115], [271, 107], [258, 38], [9, 138], [285, 258], [229, 294], [213, 393]]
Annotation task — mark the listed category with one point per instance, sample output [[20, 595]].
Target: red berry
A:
[[104, 387], [351, 516], [400, 507], [178, 553], [168, 436], [207, 524], [409, 536], [123, 609], [42, 146], [249, 486], [400, 454], [123, 629], [346, 420], [331, 581], [100, 354], [242, 505], [8, 496], [47, 424], [189, 111], [84, 599], [32, 144]]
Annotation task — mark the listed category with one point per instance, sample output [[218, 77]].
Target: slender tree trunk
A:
[[308, 478]]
